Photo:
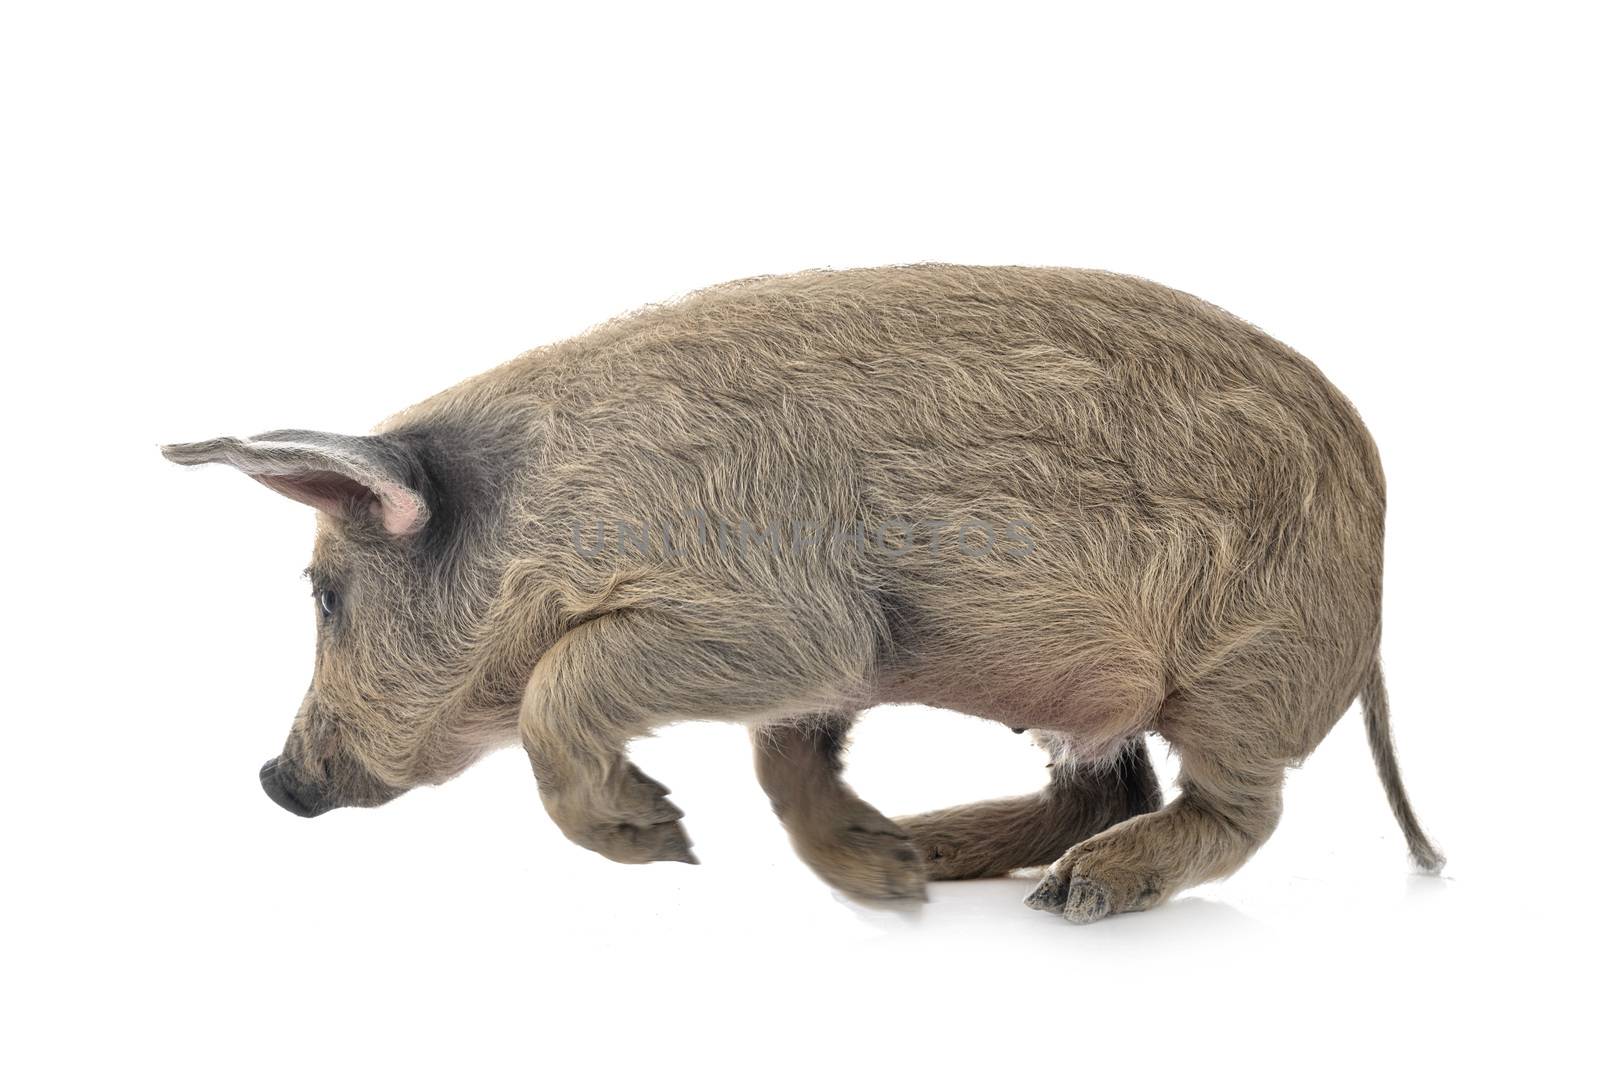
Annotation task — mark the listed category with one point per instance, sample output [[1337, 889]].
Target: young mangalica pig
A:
[[1075, 503]]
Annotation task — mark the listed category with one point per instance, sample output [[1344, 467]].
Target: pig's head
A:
[[391, 703]]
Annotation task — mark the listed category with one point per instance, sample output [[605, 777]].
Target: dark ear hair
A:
[[335, 474]]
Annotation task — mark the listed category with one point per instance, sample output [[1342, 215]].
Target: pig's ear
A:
[[338, 475]]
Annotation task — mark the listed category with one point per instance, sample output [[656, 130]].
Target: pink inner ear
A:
[[402, 512], [331, 493]]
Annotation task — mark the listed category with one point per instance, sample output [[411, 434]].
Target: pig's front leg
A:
[[588, 696], [850, 844]]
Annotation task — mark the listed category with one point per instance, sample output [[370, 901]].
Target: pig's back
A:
[[1103, 386]]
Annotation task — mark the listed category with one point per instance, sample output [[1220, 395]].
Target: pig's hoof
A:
[[1080, 901], [634, 822], [640, 840], [867, 856], [630, 843], [1081, 890]]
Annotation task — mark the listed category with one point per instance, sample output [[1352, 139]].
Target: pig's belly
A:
[[1094, 713]]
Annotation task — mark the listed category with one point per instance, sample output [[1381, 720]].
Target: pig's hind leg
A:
[[995, 837], [1231, 783], [849, 844]]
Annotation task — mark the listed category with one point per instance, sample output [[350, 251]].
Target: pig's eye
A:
[[328, 601]]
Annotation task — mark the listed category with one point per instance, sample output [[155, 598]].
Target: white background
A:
[[227, 218]]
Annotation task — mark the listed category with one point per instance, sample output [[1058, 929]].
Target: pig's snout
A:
[[290, 792]]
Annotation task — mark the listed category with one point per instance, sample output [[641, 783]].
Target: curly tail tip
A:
[[1375, 706]]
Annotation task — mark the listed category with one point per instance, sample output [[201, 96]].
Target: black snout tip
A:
[[272, 782]]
